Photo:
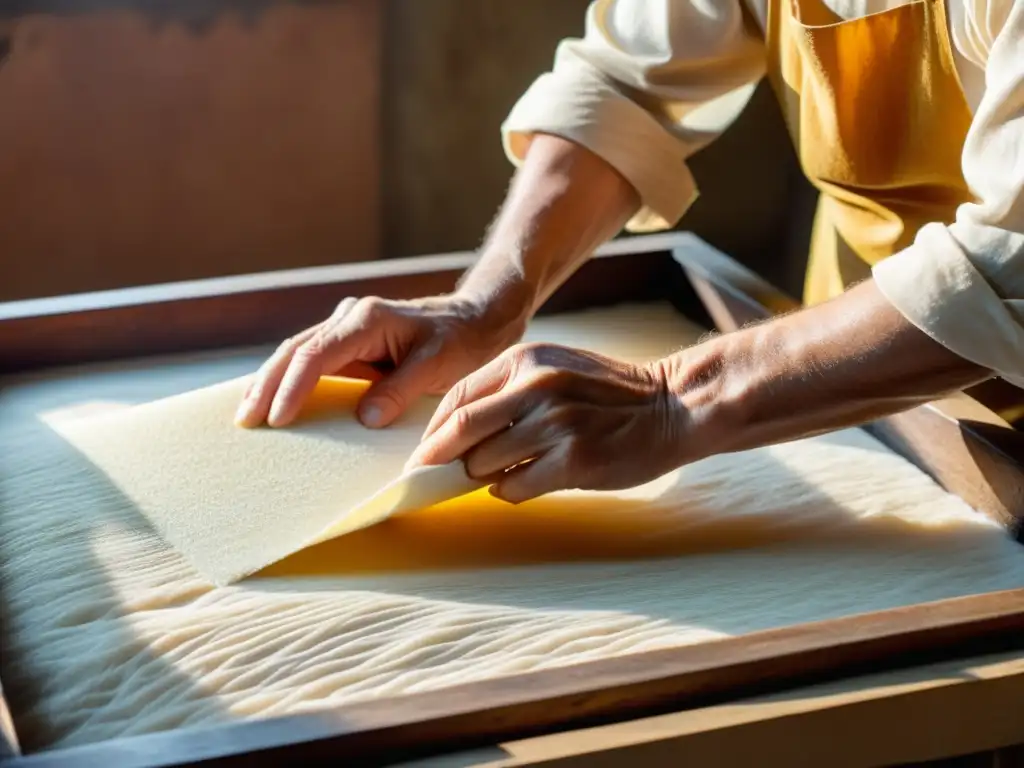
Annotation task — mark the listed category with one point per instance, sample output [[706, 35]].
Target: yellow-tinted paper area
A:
[[235, 500]]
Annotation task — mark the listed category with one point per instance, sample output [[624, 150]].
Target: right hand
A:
[[432, 344]]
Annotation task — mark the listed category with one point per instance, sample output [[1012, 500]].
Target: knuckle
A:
[[547, 379], [310, 350], [511, 357], [563, 416], [430, 348], [578, 454], [528, 352], [370, 307], [454, 397], [344, 307], [462, 420], [442, 418], [524, 354], [287, 346]]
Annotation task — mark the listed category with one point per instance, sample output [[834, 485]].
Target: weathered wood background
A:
[[154, 140]]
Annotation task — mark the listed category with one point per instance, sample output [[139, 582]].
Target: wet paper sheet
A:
[[233, 500]]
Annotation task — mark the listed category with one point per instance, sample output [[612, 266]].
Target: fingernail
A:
[[274, 418], [371, 415], [242, 414]]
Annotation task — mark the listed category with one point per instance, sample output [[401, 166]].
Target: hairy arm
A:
[[563, 203], [838, 364], [542, 418]]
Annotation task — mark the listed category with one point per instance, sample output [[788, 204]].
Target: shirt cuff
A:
[[935, 286], [583, 108]]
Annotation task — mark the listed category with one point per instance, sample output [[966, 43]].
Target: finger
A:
[[361, 370], [259, 395], [524, 440], [255, 405], [344, 307], [392, 394], [468, 426], [335, 346], [546, 474], [481, 383]]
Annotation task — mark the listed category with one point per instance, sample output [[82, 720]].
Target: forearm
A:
[[563, 203], [835, 365]]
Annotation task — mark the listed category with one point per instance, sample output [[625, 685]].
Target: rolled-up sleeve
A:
[[649, 84], [963, 284]]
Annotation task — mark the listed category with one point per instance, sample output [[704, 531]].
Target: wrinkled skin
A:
[[543, 417], [538, 418], [430, 343]]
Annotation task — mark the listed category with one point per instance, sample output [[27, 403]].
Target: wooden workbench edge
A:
[[922, 713], [628, 686], [267, 307]]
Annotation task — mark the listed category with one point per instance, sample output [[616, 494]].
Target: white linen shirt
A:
[[962, 284]]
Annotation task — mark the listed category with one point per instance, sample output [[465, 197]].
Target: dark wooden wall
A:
[[152, 140], [147, 142], [453, 69]]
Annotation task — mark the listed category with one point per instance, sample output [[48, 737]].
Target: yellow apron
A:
[[878, 118]]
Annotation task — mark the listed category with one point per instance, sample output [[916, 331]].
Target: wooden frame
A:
[[966, 447], [965, 708]]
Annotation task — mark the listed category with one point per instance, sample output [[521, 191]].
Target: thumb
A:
[[389, 397]]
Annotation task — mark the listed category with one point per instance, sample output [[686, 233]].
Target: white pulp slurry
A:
[[108, 631]]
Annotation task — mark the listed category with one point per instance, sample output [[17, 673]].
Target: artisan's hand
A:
[[589, 422], [431, 343], [564, 202], [579, 420]]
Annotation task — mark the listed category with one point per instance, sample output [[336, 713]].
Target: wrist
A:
[[709, 387], [498, 298], [831, 366]]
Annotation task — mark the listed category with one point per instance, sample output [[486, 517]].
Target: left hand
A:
[[577, 420]]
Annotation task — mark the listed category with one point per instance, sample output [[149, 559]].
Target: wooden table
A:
[[692, 701]]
